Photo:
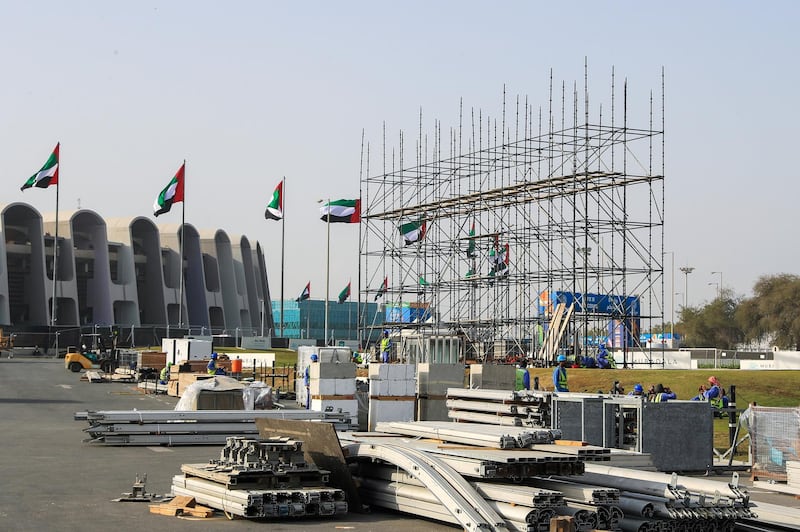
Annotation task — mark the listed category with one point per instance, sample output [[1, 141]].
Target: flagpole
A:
[[181, 234], [53, 304], [328, 271], [283, 239]]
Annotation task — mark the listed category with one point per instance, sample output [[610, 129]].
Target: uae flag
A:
[[413, 231], [382, 290], [275, 208], [499, 260], [341, 211], [344, 294], [47, 175], [471, 245], [172, 193], [305, 294]]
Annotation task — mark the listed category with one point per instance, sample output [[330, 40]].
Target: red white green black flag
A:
[[275, 208], [172, 193], [47, 175]]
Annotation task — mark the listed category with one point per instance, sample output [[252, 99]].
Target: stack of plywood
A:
[[492, 376], [392, 393], [433, 380], [333, 385]]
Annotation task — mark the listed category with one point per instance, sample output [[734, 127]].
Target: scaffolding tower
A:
[[506, 217]]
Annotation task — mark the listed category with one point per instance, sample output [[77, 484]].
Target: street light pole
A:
[[672, 296], [719, 286], [686, 271]]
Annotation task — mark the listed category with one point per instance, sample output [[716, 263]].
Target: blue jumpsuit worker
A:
[[523, 380], [638, 391], [711, 393], [164, 376], [307, 381], [560, 375], [662, 395], [386, 345], [212, 368]]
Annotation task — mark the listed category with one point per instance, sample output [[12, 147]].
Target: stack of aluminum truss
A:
[[483, 463], [518, 484], [499, 407], [655, 501], [259, 479], [498, 437], [187, 427]]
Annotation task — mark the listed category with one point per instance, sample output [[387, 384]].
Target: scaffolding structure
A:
[[514, 214]]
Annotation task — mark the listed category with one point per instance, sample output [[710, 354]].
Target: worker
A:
[[602, 358], [589, 362], [386, 346], [662, 394], [560, 375], [638, 391], [163, 378], [357, 359], [617, 389], [307, 380], [212, 367], [710, 393], [523, 380]]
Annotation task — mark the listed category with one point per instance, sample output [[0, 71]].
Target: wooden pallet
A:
[[181, 505]]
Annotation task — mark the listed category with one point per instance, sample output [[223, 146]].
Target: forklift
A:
[[91, 355]]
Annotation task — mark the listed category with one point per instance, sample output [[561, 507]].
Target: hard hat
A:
[[561, 358], [713, 380], [169, 364], [213, 356], [386, 331], [314, 358], [638, 388]]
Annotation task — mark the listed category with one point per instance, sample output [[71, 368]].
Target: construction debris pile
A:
[[489, 477], [261, 479], [188, 427]]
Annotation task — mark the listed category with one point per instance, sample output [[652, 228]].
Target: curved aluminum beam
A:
[[464, 503]]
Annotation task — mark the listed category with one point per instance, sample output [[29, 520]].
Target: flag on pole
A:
[[413, 231], [382, 290], [341, 211], [471, 245], [47, 175], [344, 294], [172, 193], [422, 281], [275, 208], [305, 294], [498, 259]]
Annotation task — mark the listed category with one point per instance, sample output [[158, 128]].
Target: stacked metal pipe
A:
[[187, 427], [261, 478], [526, 408]]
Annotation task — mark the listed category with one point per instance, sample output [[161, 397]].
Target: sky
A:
[[250, 92]]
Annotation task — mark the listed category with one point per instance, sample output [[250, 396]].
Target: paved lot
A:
[[51, 480]]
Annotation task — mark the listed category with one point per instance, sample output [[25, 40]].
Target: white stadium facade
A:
[[126, 272]]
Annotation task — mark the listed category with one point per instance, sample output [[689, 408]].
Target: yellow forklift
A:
[[92, 354]]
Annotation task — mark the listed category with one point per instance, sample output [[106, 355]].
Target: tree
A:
[[774, 311], [712, 325]]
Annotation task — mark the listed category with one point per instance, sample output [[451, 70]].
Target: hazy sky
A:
[[251, 91]]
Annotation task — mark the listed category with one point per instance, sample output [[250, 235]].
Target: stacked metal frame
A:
[[187, 427], [261, 479]]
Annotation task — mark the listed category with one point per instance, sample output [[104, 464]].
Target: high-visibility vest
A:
[[519, 383], [562, 378], [657, 398], [385, 344]]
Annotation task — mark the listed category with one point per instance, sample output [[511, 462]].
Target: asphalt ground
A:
[[50, 479]]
